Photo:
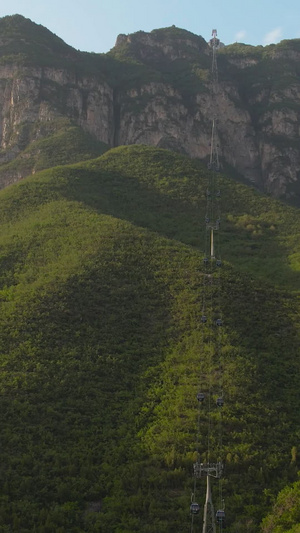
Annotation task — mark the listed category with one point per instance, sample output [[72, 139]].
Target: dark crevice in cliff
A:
[[116, 117], [84, 96], [41, 87]]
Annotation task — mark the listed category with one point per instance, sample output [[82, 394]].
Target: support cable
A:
[[212, 279]]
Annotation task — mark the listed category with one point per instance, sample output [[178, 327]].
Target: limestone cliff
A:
[[258, 106], [32, 98], [154, 88]]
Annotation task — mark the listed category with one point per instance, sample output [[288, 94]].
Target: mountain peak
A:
[[29, 41], [169, 43]]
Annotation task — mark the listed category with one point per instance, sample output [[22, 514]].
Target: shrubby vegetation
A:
[[102, 352], [286, 512], [65, 144], [20, 45]]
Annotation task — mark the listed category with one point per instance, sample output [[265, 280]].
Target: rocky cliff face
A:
[[178, 127], [257, 105], [155, 89], [31, 99]]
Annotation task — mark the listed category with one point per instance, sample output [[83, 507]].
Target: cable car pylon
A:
[[211, 519]]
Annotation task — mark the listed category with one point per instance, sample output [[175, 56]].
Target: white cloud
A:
[[273, 36], [240, 35]]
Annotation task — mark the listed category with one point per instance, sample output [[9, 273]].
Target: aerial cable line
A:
[[211, 260]]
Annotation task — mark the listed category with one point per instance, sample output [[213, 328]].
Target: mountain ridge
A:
[[160, 98]]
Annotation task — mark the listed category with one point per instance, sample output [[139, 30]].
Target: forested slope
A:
[[102, 350]]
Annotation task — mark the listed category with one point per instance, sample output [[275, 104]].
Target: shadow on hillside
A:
[[128, 199], [179, 218], [114, 317], [264, 326], [259, 256]]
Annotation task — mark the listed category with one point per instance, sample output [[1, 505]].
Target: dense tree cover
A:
[[102, 352], [286, 512]]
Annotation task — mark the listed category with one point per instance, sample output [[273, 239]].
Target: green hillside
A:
[[102, 349], [66, 143]]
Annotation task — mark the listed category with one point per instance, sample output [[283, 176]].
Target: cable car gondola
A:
[[195, 508], [220, 402], [220, 517], [200, 397]]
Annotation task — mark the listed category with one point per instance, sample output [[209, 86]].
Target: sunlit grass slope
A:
[[102, 351]]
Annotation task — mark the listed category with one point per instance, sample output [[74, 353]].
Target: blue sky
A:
[[93, 25]]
